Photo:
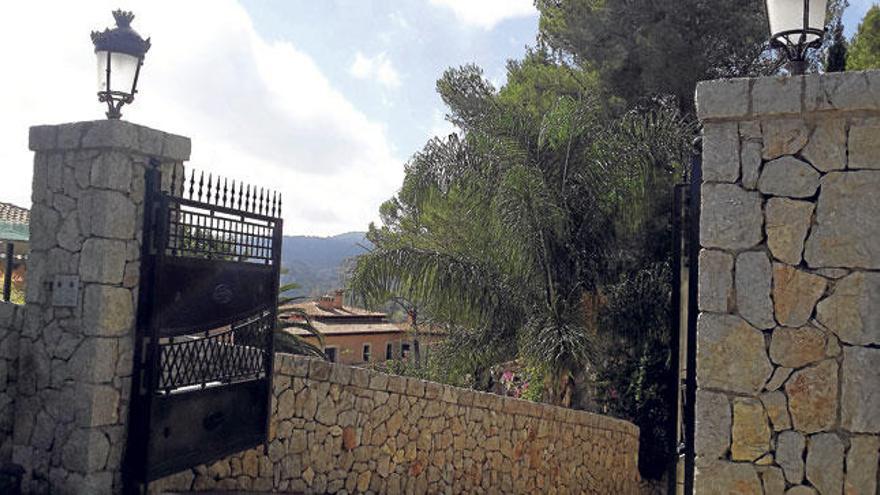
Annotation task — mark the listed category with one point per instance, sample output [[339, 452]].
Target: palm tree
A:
[[504, 233], [292, 317]]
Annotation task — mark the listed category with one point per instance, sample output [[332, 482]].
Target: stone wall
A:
[[788, 363], [338, 429], [74, 355]]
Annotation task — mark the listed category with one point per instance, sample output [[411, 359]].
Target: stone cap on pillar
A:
[[746, 98], [110, 134]]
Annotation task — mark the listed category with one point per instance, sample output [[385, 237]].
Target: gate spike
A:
[[262, 208], [201, 183], [192, 184], [224, 191], [279, 205], [247, 198], [274, 202], [233, 203], [210, 183], [217, 192], [173, 179]]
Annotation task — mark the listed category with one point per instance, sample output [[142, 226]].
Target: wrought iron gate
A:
[[203, 358], [685, 255]]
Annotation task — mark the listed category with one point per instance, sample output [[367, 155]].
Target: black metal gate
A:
[[685, 255], [203, 358]]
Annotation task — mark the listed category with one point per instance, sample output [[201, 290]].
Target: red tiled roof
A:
[[313, 310], [349, 328]]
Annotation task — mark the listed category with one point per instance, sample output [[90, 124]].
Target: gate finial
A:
[[201, 184]]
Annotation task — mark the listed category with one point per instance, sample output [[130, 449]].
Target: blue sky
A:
[[323, 100], [853, 15], [416, 38]]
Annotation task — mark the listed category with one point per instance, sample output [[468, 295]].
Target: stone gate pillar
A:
[[75, 349], [788, 364]]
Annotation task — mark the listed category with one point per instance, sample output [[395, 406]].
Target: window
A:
[[404, 350], [330, 352], [389, 351], [366, 355]]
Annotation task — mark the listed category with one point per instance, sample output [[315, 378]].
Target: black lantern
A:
[[796, 26], [120, 52]]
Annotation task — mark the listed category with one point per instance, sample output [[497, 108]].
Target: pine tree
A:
[[864, 52]]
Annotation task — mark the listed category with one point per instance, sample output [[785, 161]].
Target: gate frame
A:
[[686, 241], [146, 353]]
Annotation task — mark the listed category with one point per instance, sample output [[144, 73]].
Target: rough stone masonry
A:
[[65, 366], [788, 337], [338, 429]]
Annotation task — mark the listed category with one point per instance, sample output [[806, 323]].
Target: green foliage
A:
[[837, 47], [864, 51], [16, 295], [535, 377], [648, 47], [502, 232], [635, 379], [434, 369]]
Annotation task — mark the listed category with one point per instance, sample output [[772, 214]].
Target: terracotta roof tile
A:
[[312, 309], [349, 328]]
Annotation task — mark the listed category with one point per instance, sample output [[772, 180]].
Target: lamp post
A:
[[120, 52], [796, 26]]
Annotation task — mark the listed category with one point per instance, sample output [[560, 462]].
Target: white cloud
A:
[[378, 68], [256, 110], [399, 20], [440, 127], [487, 13]]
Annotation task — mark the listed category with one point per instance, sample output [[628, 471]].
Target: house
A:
[[356, 335], [14, 236]]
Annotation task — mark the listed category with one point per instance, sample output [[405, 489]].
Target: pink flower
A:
[[507, 376]]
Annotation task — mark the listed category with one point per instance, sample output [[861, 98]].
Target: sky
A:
[[853, 15], [323, 101]]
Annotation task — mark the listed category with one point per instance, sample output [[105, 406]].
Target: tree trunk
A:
[[417, 347], [560, 388]]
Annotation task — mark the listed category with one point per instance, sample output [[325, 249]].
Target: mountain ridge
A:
[[317, 264]]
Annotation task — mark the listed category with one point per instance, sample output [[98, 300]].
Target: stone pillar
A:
[[75, 348], [788, 364]]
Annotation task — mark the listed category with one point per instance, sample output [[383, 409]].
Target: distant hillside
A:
[[316, 263]]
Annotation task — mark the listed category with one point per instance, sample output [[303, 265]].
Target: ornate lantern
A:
[[796, 26], [120, 52]]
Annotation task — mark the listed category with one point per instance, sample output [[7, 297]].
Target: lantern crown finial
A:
[[122, 38], [123, 18]]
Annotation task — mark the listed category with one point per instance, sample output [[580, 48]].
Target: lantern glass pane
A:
[[123, 67], [818, 13], [788, 15], [102, 70]]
